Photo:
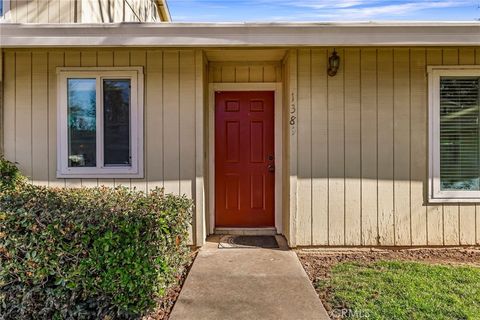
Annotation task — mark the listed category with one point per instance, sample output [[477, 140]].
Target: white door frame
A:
[[276, 87]]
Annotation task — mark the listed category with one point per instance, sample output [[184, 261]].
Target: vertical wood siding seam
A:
[[146, 109], [48, 117], [344, 162], [328, 157], [377, 238], [393, 147], [443, 206], [311, 145], [179, 122], [163, 119], [427, 144], [410, 141], [31, 117], [361, 147], [15, 107]]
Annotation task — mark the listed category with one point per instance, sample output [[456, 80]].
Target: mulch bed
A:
[[318, 262], [166, 304]]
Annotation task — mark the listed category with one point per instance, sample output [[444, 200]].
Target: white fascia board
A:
[[239, 35]]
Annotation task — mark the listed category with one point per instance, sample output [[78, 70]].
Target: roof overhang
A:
[[239, 35]]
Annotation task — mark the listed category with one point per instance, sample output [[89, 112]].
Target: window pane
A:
[[82, 123], [116, 115], [459, 133]]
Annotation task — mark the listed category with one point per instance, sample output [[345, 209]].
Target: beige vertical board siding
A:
[[8, 125], [451, 211], [21, 11], [187, 122], [215, 74], [292, 67], [32, 11], [121, 58], [171, 123], [187, 125], [393, 142], [40, 117], [418, 145], [201, 85], [23, 112], [304, 182], [55, 59], [336, 156], [95, 11], [241, 74], [434, 211], [138, 58], [353, 147], [154, 120], [401, 145], [269, 73], [228, 73], [65, 11], [385, 151], [256, 73], [42, 11], [369, 166], [53, 11], [319, 147]]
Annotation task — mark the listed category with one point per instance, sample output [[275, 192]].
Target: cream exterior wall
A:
[[355, 151], [362, 156], [81, 11], [173, 91]]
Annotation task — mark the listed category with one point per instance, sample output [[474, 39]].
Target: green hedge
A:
[[96, 253], [9, 174]]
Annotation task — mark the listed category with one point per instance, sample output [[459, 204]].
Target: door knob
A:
[[271, 168]]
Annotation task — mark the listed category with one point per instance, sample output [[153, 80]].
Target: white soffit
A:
[[240, 35]]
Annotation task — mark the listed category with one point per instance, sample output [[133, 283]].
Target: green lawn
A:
[[404, 290]]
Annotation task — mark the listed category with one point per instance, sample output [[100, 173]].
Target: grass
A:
[[403, 290]]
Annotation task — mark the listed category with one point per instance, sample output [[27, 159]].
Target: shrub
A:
[[96, 253], [9, 174]]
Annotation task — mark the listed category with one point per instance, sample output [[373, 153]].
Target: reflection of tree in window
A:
[[459, 133], [82, 122], [116, 109]]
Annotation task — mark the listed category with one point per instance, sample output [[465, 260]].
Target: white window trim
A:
[[136, 116], [435, 195]]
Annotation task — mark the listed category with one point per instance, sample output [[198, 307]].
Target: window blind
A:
[[459, 133]]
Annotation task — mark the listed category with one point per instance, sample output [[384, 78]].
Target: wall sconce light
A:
[[333, 64]]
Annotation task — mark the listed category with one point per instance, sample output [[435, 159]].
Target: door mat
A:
[[231, 241]]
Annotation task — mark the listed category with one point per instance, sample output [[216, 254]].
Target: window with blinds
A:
[[459, 133]]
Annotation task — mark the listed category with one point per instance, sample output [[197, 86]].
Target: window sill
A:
[[100, 176], [453, 200]]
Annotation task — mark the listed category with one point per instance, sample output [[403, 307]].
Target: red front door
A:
[[244, 159]]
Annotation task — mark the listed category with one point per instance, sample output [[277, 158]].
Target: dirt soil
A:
[[318, 262], [166, 304]]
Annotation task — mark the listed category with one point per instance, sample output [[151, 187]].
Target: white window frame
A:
[[135, 74], [435, 194]]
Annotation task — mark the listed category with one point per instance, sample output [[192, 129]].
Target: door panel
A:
[[244, 159]]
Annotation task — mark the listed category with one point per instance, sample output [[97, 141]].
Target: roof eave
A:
[[239, 35]]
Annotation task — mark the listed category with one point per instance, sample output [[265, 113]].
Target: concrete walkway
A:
[[247, 284]]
